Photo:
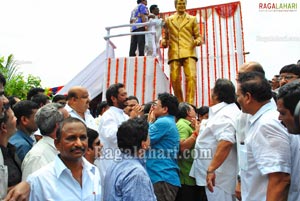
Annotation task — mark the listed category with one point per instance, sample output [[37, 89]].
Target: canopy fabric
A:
[[92, 76]]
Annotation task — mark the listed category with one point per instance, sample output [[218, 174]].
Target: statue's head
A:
[[180, 5]]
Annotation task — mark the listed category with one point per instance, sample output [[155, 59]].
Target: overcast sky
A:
[[55, 39]]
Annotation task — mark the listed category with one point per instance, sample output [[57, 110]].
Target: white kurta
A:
[[108, 127], [220, 126], [266, 150], [42, 153], [88, 118]]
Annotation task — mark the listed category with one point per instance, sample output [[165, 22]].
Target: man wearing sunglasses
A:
[[10, 172]]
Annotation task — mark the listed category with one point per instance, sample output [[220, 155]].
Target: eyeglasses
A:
[[287, 77], [156, 105]]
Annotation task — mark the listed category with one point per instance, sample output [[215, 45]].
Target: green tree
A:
[[17, 83]]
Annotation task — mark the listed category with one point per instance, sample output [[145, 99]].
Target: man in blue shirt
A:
[[164, 139], [127, 178], [25, 112], [140, 16]]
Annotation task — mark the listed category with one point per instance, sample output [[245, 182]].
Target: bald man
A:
[[78, 106], [244, 119], [250, 67]]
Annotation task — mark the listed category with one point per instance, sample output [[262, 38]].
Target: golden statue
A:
[[181, 36]]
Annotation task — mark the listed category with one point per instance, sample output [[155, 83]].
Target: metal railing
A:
[[108, 36]]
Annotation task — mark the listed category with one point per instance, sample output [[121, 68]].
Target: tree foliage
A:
[[17, 84]]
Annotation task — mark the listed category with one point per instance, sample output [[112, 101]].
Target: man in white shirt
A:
[[288, 98], [70, 176], [266, 166], [218, 171], [152, 45], [78, 106], [243, 119], [47, 119], [116, 97]]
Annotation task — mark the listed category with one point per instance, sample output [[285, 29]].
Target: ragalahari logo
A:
[[278, 7]]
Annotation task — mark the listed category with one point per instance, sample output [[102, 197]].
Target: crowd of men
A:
[[156, 151], [244, 146]]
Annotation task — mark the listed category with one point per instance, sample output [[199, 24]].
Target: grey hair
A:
[[47, 117], [183, 110]]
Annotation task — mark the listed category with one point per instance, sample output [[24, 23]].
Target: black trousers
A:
[[137, 41], [165, 191], [191, 193]]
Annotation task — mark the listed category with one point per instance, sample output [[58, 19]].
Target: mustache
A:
[[77, 148], [283, 124]]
